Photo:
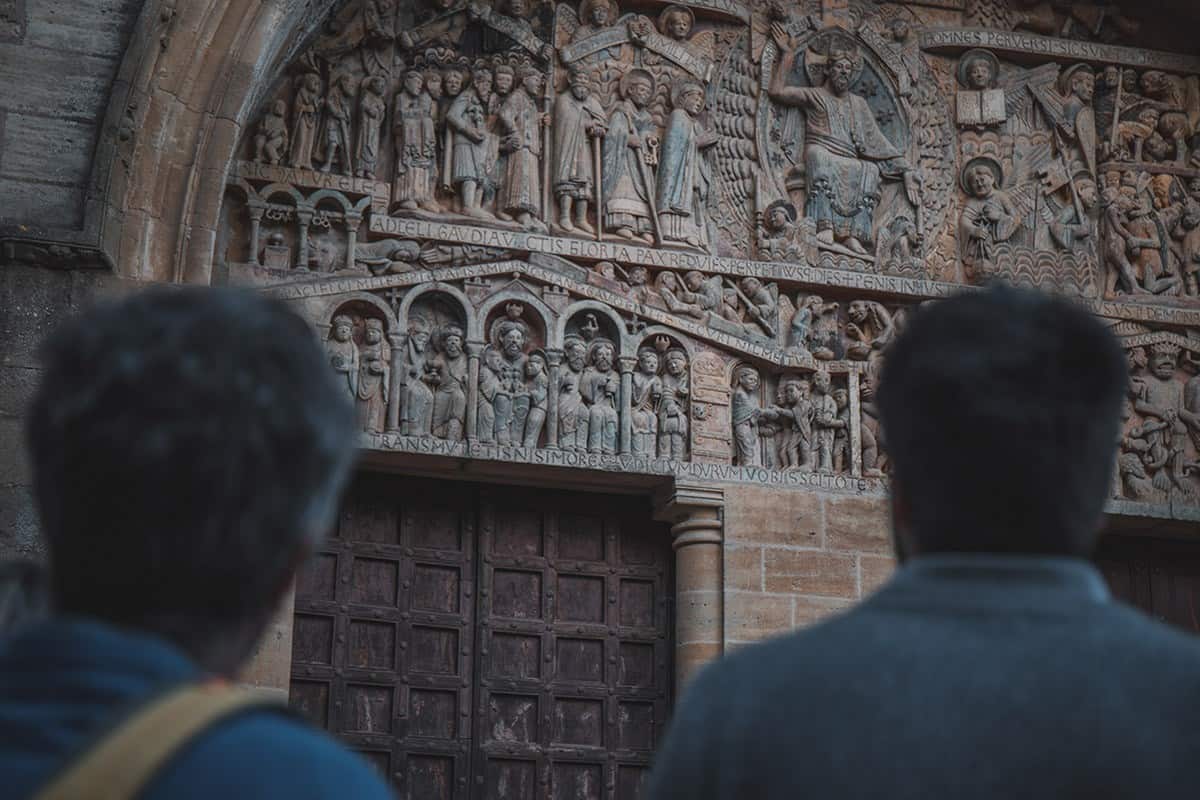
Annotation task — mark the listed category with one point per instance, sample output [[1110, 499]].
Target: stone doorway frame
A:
[[695, 512]]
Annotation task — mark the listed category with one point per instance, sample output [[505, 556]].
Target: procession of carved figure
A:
[[523, 123], [746, 411], [334, 140], [579, 125], [305, 112], [416, 402], [415, 145]]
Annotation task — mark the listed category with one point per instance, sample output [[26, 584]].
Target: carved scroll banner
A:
[[955, 40], [651, 40], [519, 33]]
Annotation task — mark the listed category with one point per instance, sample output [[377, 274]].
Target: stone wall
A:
[[792, 558]]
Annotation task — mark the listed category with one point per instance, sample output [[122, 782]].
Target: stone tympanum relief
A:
[[679, 236]]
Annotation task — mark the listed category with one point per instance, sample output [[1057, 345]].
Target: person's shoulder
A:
[[267, 754]]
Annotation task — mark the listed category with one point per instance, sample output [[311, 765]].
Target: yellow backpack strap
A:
[[121, 763]]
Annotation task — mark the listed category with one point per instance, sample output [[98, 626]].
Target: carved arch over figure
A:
[[626, 343], [474, 327]]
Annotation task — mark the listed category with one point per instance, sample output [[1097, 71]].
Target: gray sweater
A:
[[964, 677]]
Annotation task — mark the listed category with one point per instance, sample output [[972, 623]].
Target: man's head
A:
[[1001, 409], [188, 450]]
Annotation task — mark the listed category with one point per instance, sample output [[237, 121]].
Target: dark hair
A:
[[188, 446], [1000, 409]]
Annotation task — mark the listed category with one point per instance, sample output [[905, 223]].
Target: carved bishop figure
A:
[[627, 191], [683, 174]]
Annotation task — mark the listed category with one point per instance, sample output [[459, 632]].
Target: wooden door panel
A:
[[484, 643], [573, 625]]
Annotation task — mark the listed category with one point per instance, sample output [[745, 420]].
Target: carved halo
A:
[[586, 5], [969, 58], [981, 161], [636, 73], [596, 344], [675, 9]]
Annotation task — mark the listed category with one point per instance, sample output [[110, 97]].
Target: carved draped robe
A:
[[371, 115], [572, 413], [450, 399], [470, 159], [745, 428], [416, 147], [573, 170], [304, 127], [647, 389], [373, 373], [489, 385], [846, 158], [520, 192], [672, 417], [626, 203], [683, 180], [343, 357], [599, 390]]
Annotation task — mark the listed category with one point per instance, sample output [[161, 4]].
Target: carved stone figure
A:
[[988, 217], [416, 409], [537, 389], [471, 168], [448, 373], [373, 378], [826, 421], [600, 388], [1187, 231], [271, 141], [761, 303], [512, 400], [745, 415], [846, 155], [874, 459], [522, 123], [305, 111], [979, 103], [503, 81], [489, 387], [343, 354], [869, 330], [777, 236], [683, 174], [1146, 247], [1159, 399], [628, 185], [1077, 127], [335, 134], [371, 110], [673, 407], [579, 124], [805, 332], [416, 145], [647, 392], [572, 411], [841, 435]]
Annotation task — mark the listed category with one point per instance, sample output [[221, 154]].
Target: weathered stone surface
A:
[[810, 573], [858, 524], [771, 516]]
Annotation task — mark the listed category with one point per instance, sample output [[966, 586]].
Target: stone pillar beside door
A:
[[696, 514]]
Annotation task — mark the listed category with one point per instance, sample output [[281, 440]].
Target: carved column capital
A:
[[627, 364], [695, 511], [475, 349], [353, 220], [256, 211], [554, 357]]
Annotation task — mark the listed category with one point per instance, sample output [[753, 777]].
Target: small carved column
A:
[[353, 218], [627, 365], [854, 435], [305, 217], [256, 215], [474, 351], [398, 342], [554, 359], [696, 512]]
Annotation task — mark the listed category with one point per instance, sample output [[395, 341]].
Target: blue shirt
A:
[[62, 682]]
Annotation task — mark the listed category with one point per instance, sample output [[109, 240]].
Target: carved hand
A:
[[783, 40], [475, 135]]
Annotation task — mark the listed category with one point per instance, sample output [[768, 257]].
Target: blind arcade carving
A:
[[675, 237]]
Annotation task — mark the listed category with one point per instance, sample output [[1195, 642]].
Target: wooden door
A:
[[1159, 576], [551, 681]]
